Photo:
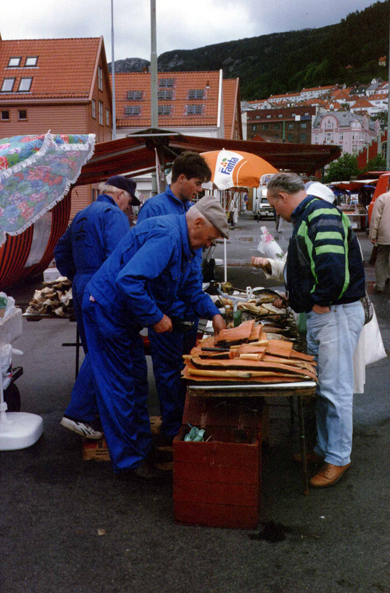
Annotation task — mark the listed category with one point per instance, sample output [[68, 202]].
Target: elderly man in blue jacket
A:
[[136, 287], [189, 172], [93, 235]]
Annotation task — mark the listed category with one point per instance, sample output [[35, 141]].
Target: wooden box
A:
[[217, 483]]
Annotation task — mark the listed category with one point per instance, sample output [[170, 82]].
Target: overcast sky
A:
[[181, 24]]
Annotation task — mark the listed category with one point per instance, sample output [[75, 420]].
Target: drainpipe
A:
[[153, 80]]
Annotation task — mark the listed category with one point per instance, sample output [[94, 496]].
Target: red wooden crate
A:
[[218, 483]]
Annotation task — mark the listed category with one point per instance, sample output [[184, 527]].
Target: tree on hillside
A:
[[343, 169]]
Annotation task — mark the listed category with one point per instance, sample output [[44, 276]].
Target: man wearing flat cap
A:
[[137, 287], [189, 172], [90, 239]]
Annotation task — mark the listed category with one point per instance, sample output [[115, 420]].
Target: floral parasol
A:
[[36, 172]]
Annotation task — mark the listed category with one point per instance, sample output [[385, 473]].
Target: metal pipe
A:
[[153, 79], [113, 73]]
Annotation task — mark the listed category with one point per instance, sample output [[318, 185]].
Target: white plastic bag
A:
[[369, 349], [268, 247]]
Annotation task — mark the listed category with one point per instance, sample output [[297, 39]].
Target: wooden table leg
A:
[[303, 444]]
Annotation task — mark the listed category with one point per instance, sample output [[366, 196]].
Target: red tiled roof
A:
[[183, 82], [64, 70], [319, 88], [362, 103]]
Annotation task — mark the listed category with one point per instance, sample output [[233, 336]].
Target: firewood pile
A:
[[247, 353], [54, 299]]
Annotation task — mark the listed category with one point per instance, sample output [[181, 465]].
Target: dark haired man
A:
[[189, 172]]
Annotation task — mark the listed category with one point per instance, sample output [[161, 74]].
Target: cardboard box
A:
[[51, 274], [217, 483]]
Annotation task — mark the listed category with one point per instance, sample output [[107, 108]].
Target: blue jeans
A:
[[332, 339]]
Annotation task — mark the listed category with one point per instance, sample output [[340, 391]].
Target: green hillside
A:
[[282, 62]]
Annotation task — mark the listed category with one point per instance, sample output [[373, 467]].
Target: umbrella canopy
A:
[[236, 168], [36, 172]]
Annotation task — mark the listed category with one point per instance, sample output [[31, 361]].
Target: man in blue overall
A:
[[138, 286], [91, 238], [189, 171]]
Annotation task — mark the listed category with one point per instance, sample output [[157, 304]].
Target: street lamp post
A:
[[113, 73]]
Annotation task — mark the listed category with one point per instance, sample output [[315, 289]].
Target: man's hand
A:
[[164, 325], [218, 324], [373, 241], [320, 310], [263, 263]]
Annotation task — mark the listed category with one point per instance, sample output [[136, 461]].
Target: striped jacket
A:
[[324, 262]]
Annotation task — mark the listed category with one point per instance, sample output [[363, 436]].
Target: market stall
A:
[[217, 480]]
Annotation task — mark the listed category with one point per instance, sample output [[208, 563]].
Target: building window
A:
[[165, 109], [280, 115], [303, 137], [316, 138], [194, 109], [8, 85], [196, 93], [24, 85], [289, 138], [101, 113], [166, 82], [303, 125], [31, 61], [253, 128], [134, 95], [276, 126], [14, 62], [93, 108], [134, 110], [290, 126], [22, 114], [5, 115], [257, 116], [165, 95], [265, 126], [341, 136], [268, 117], [100, 78], [107, 117]]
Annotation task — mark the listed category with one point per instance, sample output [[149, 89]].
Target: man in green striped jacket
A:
[[324, 277]]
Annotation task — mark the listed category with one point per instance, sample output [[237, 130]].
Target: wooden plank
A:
[[230, 454]]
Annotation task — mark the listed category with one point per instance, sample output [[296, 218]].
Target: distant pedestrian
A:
[[380, 235]]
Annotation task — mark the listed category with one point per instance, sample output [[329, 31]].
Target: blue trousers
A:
[[332, 339], [82, 404], [118, 363], [167, 355]]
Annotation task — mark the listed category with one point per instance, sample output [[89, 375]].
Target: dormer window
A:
[[24, 85], [134, 110], [14, 62], [196, 93], [8, 85], [165, 109], [100, 78], [194, 109], [134, 95], [31, 61], [166, 82], [165, 95]]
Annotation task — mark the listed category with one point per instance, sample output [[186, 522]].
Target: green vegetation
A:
[[282, 62], [344, 169]]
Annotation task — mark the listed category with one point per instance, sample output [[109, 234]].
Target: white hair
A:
[[108, 189], [193, 213]]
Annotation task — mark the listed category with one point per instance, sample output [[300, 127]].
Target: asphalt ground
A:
[[53, 504]]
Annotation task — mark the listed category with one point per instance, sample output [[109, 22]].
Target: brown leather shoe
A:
[[311, 457], [329, 475]]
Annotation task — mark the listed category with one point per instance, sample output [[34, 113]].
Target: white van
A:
[[261, 207]]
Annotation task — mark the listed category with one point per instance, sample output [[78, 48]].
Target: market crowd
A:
[[150, 276]]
